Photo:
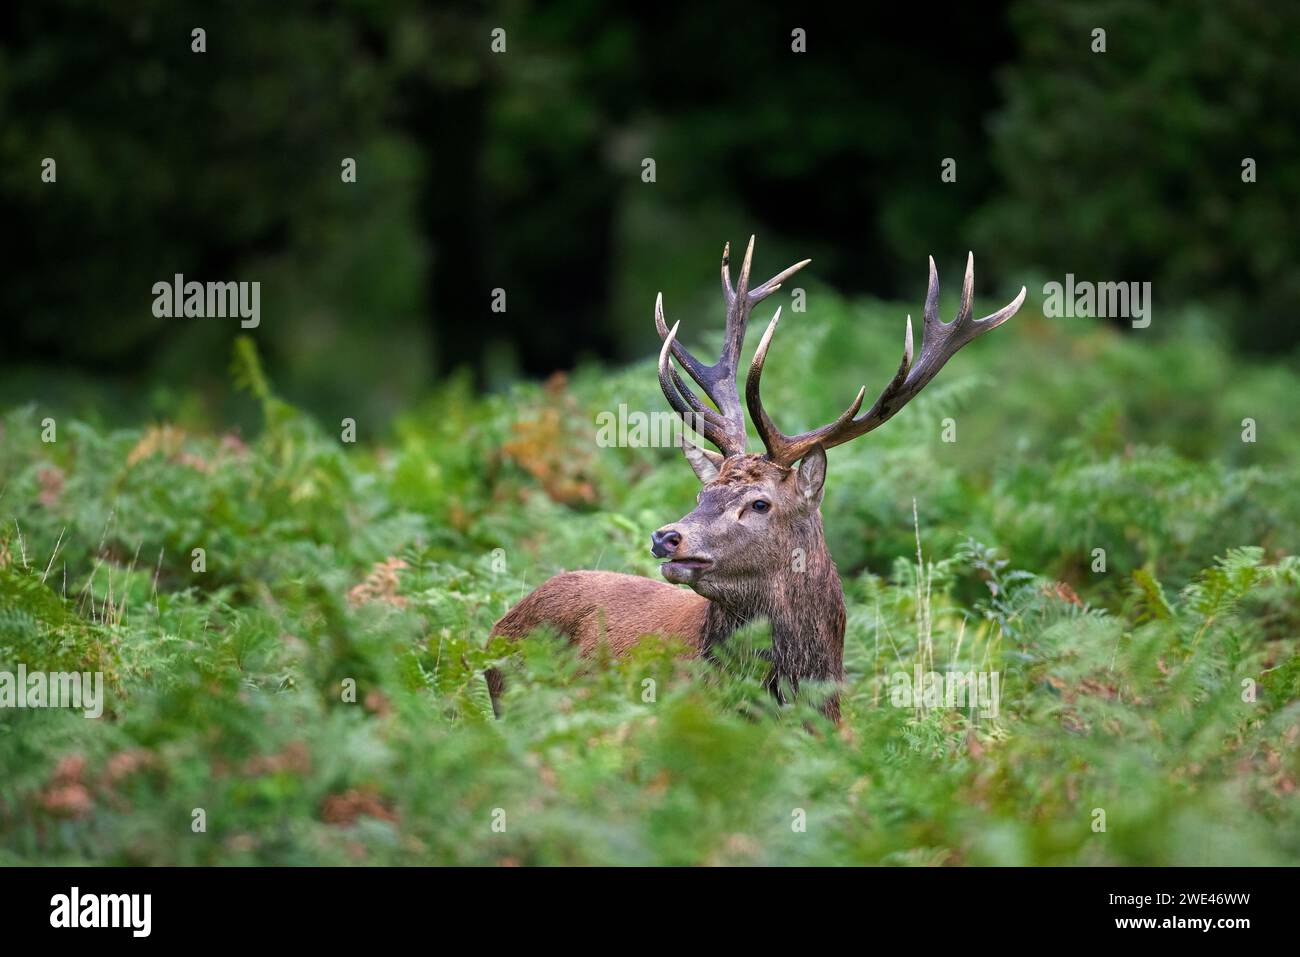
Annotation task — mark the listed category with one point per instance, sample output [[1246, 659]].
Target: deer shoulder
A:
[[590, 607]]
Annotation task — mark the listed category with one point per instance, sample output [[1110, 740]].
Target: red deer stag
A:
[[753, 546]]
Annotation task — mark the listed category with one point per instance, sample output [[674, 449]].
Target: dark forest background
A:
[[522, 170]]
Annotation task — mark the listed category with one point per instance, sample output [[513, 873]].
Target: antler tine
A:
[[738, 304], [772, 285], [967, 289], [940, 343], [780, 447], [725, 428], [931, 314], [694, 413]]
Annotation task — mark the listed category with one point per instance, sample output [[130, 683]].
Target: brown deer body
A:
[[753, 547]]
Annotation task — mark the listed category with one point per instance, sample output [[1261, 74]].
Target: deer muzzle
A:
[[680, 569]]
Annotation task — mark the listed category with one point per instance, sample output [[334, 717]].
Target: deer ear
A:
[[705, 463], [812, 475]]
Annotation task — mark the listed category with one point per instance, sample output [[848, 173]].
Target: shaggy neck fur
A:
[[806, 612]]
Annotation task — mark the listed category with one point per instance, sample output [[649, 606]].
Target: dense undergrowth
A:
[[1158, 698]]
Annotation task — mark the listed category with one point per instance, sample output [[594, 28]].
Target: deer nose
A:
[[664, 542]]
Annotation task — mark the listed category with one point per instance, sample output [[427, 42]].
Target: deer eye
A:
[[761, 505]]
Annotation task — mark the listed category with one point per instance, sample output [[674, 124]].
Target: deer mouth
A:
[[682, 571]]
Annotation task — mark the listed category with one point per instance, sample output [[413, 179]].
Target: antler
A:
[[940, 343], [724, 427]]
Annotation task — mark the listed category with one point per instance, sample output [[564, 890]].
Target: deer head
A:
[[757, 517]]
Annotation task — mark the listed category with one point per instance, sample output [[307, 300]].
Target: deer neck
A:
[[804, 603]]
